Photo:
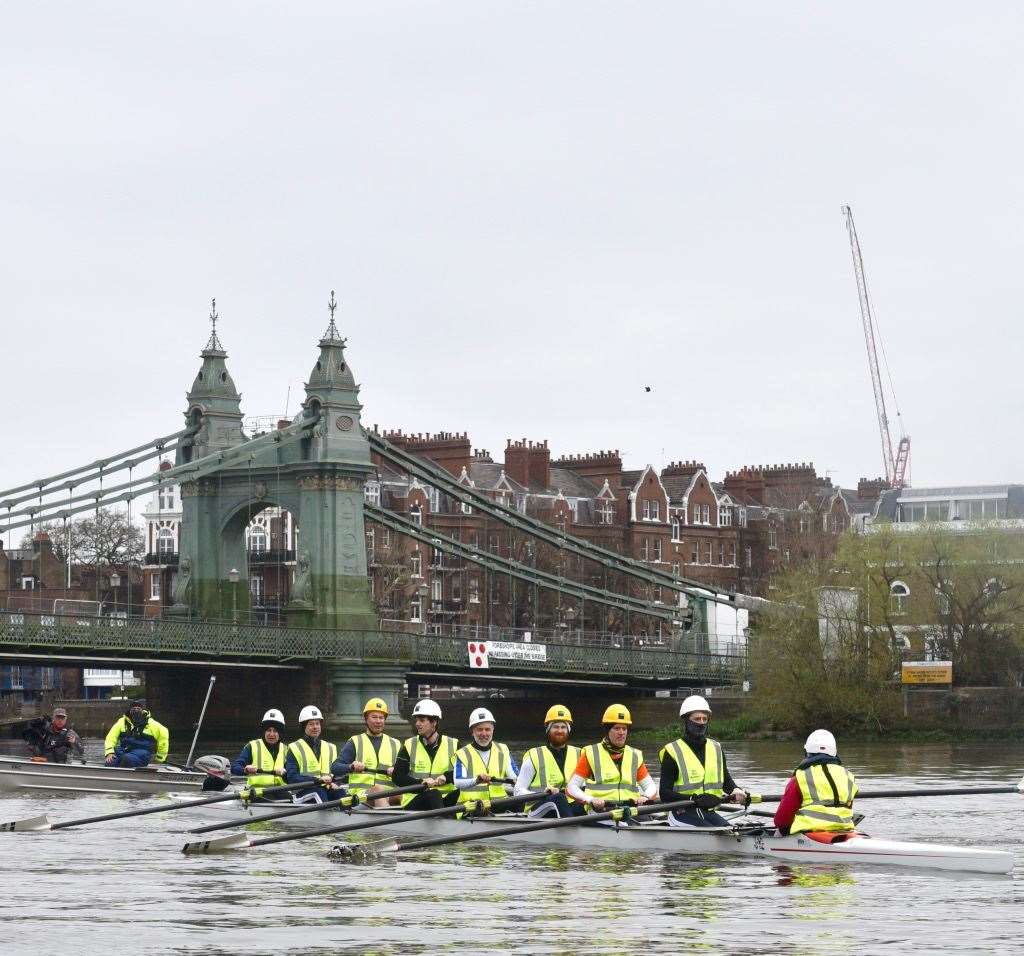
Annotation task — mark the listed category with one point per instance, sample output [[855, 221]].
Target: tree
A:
[[105, 539]]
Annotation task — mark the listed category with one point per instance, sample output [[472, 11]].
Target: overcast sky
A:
[[530, 212]]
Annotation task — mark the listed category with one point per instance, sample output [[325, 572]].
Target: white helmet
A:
[[426, 708], [821, 742], [273, 716], [692, 703], [309, 712], [479, 716]]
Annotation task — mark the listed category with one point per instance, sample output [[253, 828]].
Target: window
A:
[[474, 590], [435, 590], [416, 514], [675, 529], [732, 554], [560, 523], [707, 552], [434, 497], [785, 555], [385, 538], [605, 512], [725, 516], [154, 587], [369, 545], [457, 588], [435, 629], [258, 540], [675, 568], [502, 499], [773, 539], [743, 517], [437, 558], [492, 587], [899, 598], [748, 558], [656, 549], [256, 589], [721, 552], [416, 563], [645, 549], [467, 509], [652, 510], [416, 609], [165, 499], [805, 523], [837, 524], [165, 541], [702, 514], [28, 584], [492, 542], [371, 493], [695, 553]]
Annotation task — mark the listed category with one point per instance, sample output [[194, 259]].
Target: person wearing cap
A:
[[483, 766], [610, 773], [309, 759], [549, 767], [261, 760], [694, 766], [819, 795], [427, 757], [136, 739], [53, 739], [368, 759]]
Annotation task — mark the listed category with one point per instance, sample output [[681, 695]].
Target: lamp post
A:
[[233, 578], [115, 583]]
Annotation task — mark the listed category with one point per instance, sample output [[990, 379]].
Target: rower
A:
[[483, 765], [136, 738], [310, 758], [261, 760], [53, 739], [612, 773], [368, 759], [819, 795], [694, 766], [428, 756], [549, 767]]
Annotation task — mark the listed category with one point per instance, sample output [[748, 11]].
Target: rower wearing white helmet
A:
[[428, 757], [819, 795], [310, 757], [483, 765], [261, 760], [694, 766], [368, 759], [550, 766]]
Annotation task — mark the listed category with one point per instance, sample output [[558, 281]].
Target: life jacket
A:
[[376, 761], [546, 772], [150, 735], [825, 807], [498, 767], [272, 766], [308, 762], [421, 766], [695, 777], [614, 780]]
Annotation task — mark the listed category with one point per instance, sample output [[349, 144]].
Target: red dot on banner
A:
[[472, 648], [483, 648], [479, 661]]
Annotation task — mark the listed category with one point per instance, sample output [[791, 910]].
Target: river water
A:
[[126, 887]]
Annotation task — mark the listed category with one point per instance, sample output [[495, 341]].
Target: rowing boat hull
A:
[[661, 838], [19, 774]]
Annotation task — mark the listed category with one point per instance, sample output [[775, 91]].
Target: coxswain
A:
[[261, 760], [483, 766], [549, 767], [368, 759], [53, 739], [610, 773], [819, 795], [136, 739], [428, 757], [694, 766], [309, 758]]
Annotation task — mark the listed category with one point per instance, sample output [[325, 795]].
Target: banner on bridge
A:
[[481, 651]]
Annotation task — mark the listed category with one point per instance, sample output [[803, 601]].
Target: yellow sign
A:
[[928, 672]]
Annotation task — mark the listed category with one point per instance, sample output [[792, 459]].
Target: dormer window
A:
[[416, 514], [651, 509], [675, 529], [724, 516], [371, 493]]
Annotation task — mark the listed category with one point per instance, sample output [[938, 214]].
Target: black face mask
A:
[[695, 730]]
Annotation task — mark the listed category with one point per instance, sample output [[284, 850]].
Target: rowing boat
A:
[[21, 773], [739, 838]]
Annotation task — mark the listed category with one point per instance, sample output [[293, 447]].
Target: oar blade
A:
[[225, 844], [28, 825]]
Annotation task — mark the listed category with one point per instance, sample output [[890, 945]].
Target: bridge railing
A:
[[160, 639]]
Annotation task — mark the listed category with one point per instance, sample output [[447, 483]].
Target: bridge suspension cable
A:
[[402, 525], [441, 479]]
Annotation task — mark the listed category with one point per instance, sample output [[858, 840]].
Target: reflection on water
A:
[[125, 886]]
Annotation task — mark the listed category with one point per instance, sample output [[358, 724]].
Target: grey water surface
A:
[[125, 886]]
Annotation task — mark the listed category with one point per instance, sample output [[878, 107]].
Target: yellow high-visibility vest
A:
[[695, 777], [421, 766], [271, 767], [614, 780], [499, 761], [823, 807], [308, 761], [377, 761]]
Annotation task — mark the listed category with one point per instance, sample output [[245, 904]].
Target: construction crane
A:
[[896, 465]]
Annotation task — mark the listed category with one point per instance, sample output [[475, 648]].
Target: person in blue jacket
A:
[[261, 760], [309, 759], [136, 739]]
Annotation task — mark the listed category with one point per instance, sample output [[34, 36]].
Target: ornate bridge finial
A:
[[214, 344], [332, 335]]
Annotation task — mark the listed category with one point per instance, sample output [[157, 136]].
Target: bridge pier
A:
[[354, 684]]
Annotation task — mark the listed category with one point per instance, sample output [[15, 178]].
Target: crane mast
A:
[[895, 465]]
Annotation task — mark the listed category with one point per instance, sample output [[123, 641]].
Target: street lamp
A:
[[115, 583], [233, 578]]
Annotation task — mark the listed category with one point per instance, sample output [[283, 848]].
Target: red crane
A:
[[896, 465]]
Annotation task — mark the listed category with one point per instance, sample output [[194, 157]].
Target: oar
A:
[[346, 801], [930, 792], [619, 814], [242, 841], [42, 823]]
